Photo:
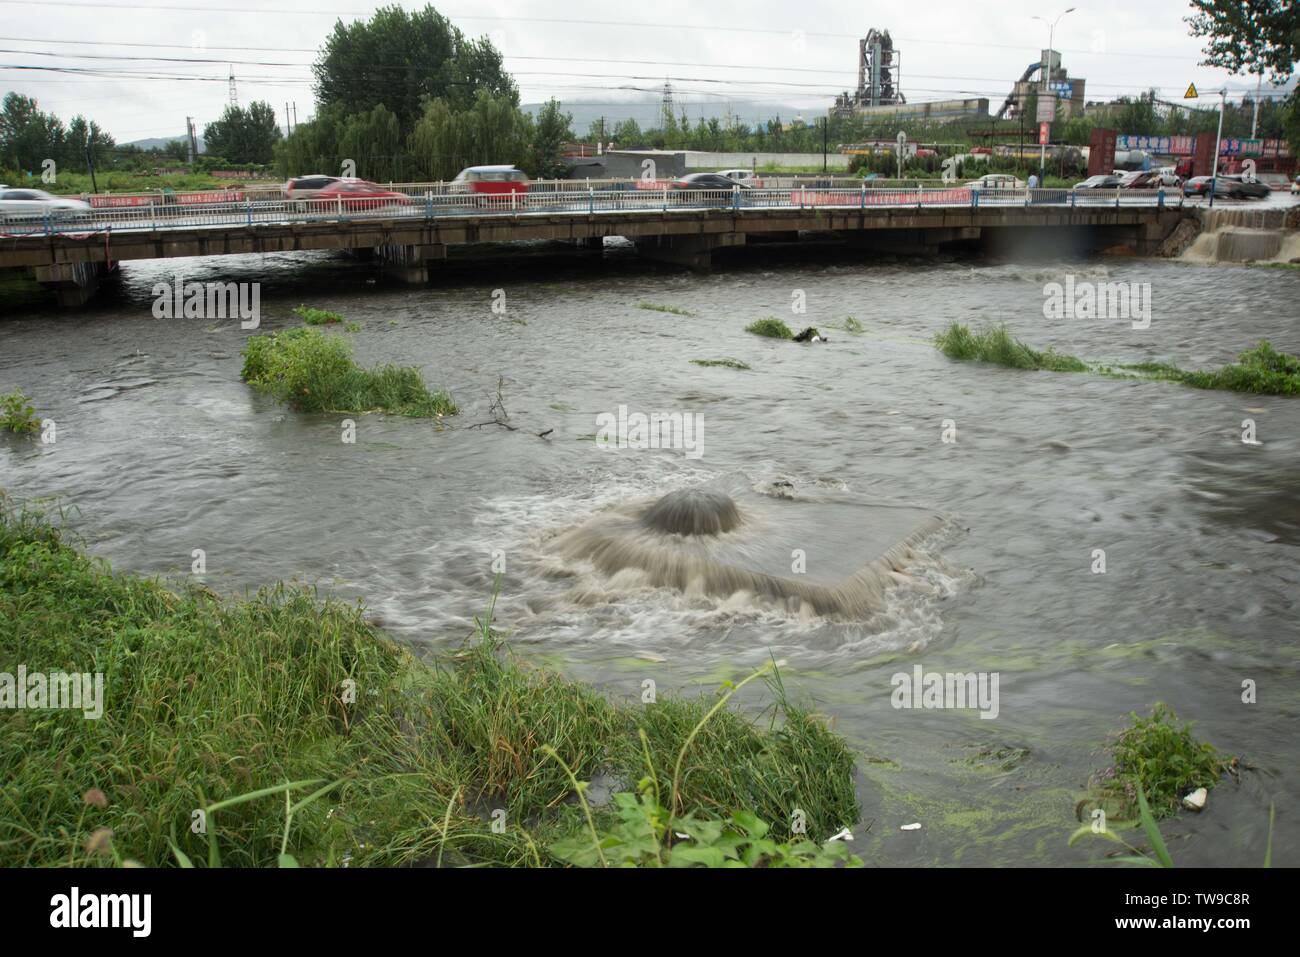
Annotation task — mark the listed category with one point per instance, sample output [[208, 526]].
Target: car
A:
[[37, 204], [358, 195], [306, 187], [490, 179], [1140, 179], [745, 177], [1100, 181], [996, 181], [1236, 187], [707, 181]]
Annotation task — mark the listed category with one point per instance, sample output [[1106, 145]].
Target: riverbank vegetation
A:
[[771, 327], [721, 363], [284, 729], [17, 413], [314, 372], [316, 317], [656, 307], [1262, 370]]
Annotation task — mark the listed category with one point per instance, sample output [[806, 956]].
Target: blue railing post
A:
[[591, 200], [1160, 197], [1074, 198], [47, 223], [428, 205], [975, 198], [862, 203]]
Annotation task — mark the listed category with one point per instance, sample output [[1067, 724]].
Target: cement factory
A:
[[879, 93]]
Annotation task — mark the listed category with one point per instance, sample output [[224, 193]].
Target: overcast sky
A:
[[797, 53]]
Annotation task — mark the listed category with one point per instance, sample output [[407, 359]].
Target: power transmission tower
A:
[[234, 97], [667, 117]]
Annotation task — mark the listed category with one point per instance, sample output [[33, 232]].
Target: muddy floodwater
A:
[[161, 450]]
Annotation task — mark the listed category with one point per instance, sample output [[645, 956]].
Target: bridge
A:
[[410, 232]]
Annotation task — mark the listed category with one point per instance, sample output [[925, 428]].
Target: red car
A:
[[356, 195]]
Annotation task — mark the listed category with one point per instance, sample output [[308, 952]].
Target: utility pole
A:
[[1047, 69], [90, 164], [189, 139], [1218, 138], [1254, 120], [825, 124]]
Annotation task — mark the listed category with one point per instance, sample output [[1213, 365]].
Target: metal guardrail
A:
[[588, 200]]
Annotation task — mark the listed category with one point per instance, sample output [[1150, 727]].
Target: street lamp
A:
[[1047, 69]]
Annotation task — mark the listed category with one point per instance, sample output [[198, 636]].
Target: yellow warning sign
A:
[[1191, 93]]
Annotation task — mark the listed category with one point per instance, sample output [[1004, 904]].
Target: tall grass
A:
[[315, 372], [771, 327], [996, 345], [304, 735]]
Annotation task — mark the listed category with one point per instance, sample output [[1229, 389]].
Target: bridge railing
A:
[[431, 205]]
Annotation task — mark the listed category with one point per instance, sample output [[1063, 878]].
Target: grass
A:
[[316, 317], [996, 345], [17, 414], [1159, 758], [674, 310], [771, 327], [315, 372], [1262, 370], [724, 363], [305, 735]]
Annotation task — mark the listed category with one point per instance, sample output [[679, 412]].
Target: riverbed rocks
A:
[[1196, 800]]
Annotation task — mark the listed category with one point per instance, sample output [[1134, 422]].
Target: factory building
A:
[[880, 95]]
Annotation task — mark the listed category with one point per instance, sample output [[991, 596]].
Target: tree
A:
[[28, 135], [550, 131], [399, 60], [1254, 36], [244, 135]]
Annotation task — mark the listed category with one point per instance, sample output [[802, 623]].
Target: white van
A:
[[746, 177]]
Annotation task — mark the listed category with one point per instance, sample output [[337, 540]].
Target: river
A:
[[162, 450]]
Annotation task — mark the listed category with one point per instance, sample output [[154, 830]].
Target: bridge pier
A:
[[74, 284], [407, 263], [693, 251]]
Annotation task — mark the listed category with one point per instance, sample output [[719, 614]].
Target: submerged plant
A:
[[17, 413], [316, 317], [723, 363], [315, 372], [771, 327], [996, 345], [674, 310], [1158, 757]]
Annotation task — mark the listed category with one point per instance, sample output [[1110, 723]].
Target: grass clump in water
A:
[[1262, 370], [724, 363], [1158, 757], [771, 327], [227, 706], [656, 307], [317, 317], [17, 413], [996, 345], [314, 372]]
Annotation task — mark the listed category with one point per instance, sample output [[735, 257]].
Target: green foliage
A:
[[655, 307], [314, 372], [17, 413], [998, 346], [771, 327], [316, 317], [1161, 759], [306, 736], [244, 135], [724, 363], [1262, 370]]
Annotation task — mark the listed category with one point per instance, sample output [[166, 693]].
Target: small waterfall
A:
[[1238, 234]]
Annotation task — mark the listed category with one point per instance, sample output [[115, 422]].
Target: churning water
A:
[[975, 554]]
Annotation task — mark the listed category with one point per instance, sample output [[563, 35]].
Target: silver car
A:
[[37, 204]]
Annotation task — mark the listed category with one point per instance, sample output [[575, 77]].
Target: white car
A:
[[745, 177], [37, 204], [997, 181]]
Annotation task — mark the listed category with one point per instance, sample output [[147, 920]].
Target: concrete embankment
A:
[[1237, 234]]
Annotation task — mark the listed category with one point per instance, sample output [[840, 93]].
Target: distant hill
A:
[[646, 112], [158, 142]]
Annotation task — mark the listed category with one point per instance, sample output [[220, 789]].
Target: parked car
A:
[[37, 204], [1100, 181], [996, 181], [745, 177], [490, 179], [707, 181], [306, 187], [359, 195]]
